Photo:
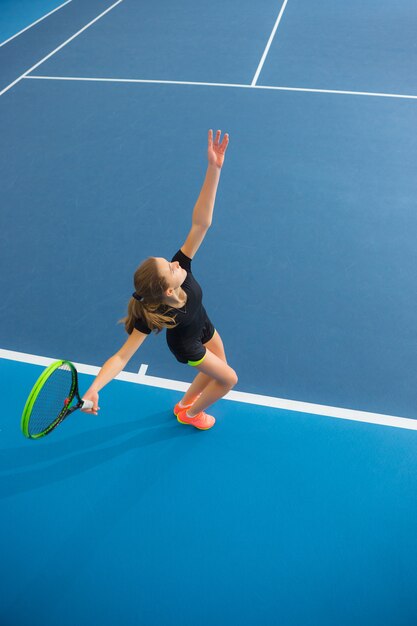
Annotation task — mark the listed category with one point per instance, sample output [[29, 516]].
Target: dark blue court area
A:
[[282, 514]]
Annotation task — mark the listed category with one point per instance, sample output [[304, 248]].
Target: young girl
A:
[[168, 296]]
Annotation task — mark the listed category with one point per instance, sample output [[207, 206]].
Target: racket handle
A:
[[87, 404]]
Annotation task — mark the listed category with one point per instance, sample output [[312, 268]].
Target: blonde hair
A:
[[150, 286]]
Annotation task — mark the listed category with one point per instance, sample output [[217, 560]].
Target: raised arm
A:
[[203, 209], [113, 367]]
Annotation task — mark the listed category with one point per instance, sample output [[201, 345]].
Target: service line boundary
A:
[[141, 378], [229, 85]]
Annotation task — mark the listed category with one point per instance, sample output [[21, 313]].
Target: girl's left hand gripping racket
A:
[[50, 400]]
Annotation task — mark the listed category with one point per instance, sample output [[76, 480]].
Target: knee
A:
[[232, 379]]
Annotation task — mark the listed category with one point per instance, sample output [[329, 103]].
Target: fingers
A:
[[216, 150], [224, 143], [91, 398], [93, 411], [217, 145]]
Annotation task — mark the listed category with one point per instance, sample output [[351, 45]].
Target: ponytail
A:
[[155, 319], [149, 306]]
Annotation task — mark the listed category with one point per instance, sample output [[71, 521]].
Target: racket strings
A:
[[50, 400]]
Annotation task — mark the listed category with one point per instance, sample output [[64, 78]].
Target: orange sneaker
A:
[[178, 408], [202, 421]]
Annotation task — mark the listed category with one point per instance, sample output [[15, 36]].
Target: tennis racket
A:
[[54, 396]]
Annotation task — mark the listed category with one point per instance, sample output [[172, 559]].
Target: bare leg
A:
[[213, 392], [223, 378], [201, 381]]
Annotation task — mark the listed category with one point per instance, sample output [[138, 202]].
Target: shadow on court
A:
[[79, 452]]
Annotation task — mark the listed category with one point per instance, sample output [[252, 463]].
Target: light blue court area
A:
[[16, 15], [308, 271], [270, 517]]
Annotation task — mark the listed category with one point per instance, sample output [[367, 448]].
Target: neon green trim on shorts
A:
[[195, 363]]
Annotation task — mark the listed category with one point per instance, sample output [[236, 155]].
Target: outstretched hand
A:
[[217, 150]]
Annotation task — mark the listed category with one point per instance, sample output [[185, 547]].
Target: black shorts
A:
[[192, 351]]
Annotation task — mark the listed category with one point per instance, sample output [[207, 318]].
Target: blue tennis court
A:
[[299, 507]]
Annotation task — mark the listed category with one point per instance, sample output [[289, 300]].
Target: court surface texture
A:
[[299, 508]]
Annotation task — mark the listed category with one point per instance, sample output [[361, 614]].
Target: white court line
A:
[[237, 396], [268, 45], [143, 369], [237, 86], [33, 23], [59, 47]]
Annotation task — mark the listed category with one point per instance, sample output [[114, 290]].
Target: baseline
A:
[[141, 378]]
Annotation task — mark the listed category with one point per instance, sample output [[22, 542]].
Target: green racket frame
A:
[[66, 410]]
